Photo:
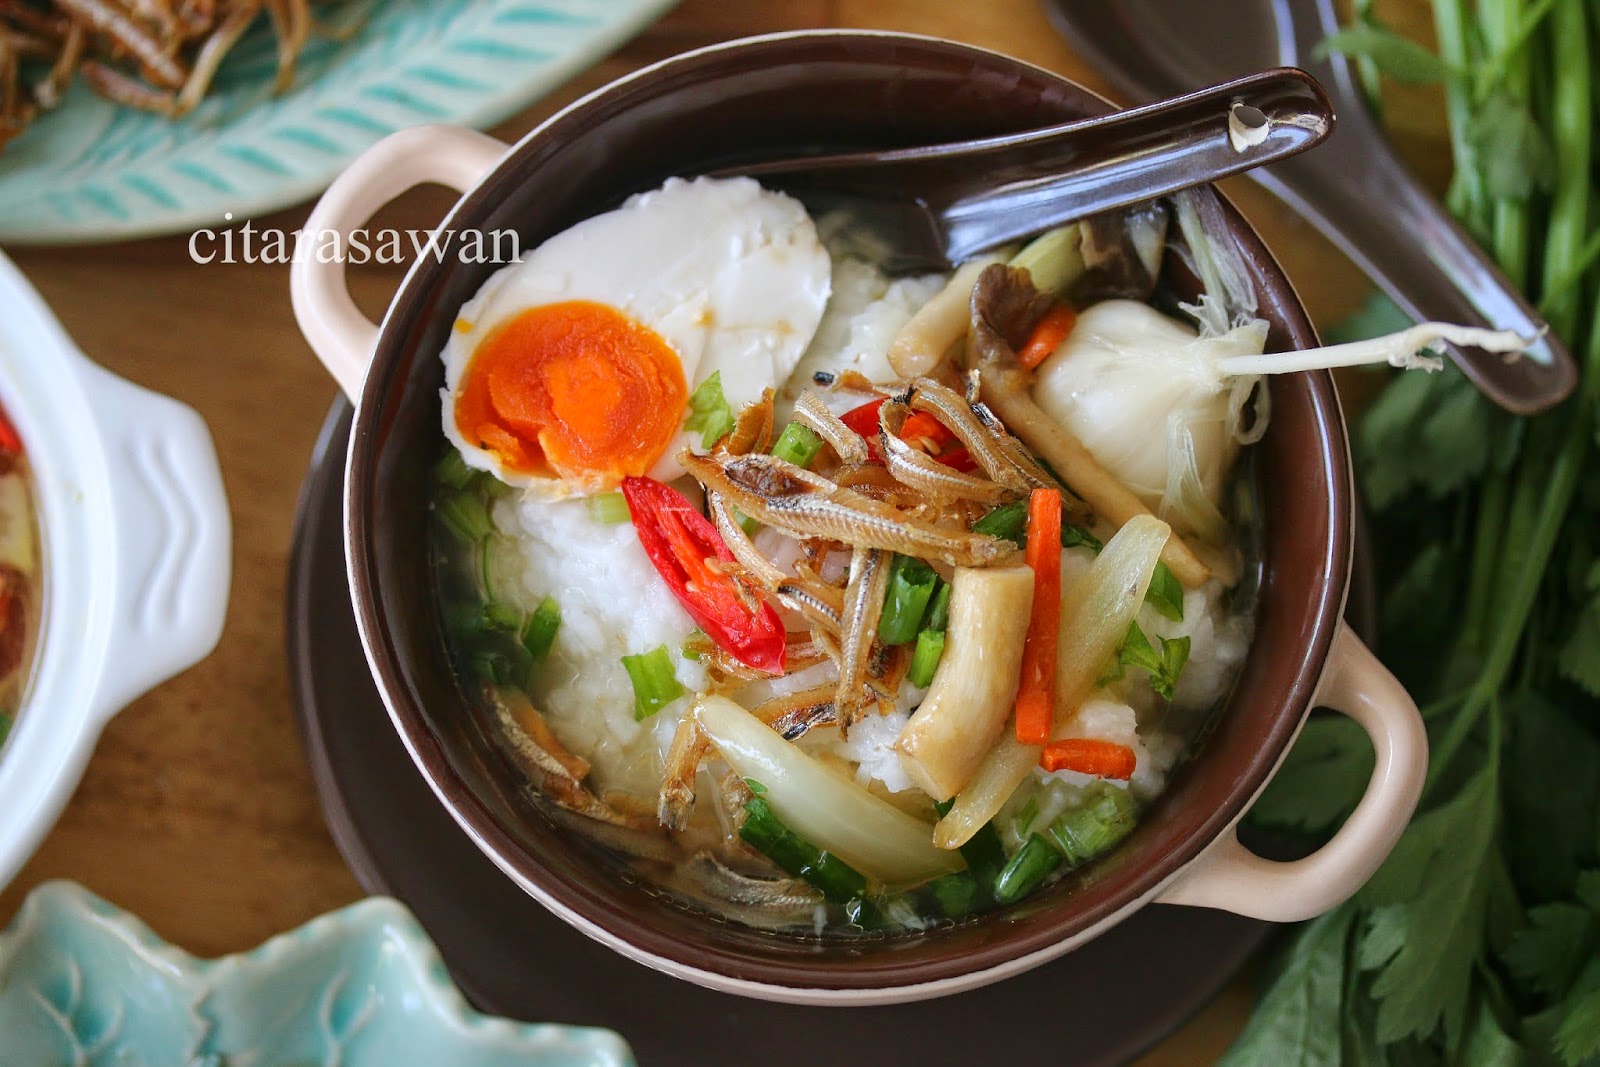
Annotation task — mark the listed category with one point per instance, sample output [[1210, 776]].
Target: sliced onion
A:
[[822, 806], [1097, 611]]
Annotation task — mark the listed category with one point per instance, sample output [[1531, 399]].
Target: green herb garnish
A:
[[797, 444], [709, 412], [655, 683]]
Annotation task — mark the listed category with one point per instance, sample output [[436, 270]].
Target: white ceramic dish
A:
[[135, 561]]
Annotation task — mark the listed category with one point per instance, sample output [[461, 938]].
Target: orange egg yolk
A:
[[575, 389]]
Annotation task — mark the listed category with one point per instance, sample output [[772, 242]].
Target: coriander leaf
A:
[[1588, 890], [1488, 1044], [1164, 666], [1075, 536], [1509, 149], [1297, 1023], [1396, 57], [1174, 657], [1577, 1039], [1425, 932], [1165, 593], [1414, 617], [1137, 651], [1428, 433], [1552, 793], [1547, 954], [1321, 780], [1579, 658]]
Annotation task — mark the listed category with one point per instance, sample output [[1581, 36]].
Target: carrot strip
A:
[[1036, 693], [1105, 759], [1047, 336]]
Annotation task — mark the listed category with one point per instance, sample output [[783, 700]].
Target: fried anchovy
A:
[[863, 606], [795, 714], [851, 447], [752, 430], [689, 747], [755, 565], [920, 471], [803, 504]]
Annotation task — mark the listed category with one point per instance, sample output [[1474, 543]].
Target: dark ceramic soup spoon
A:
[[1360, 195], [930, 207]]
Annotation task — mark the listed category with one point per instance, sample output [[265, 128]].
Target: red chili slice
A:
[[686, 549], [10, 442], [918, 425]]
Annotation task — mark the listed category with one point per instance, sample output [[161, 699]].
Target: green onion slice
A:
[[911, 586], [925, 659], [797, 444], [610, 509], [655, 684]]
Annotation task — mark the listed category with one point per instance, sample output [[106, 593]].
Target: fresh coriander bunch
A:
[[1479, 940]]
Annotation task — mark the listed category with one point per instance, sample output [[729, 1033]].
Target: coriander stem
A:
[[1466, 187]]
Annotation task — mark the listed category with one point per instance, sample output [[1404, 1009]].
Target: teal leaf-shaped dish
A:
[[90, 170], [83, 982]]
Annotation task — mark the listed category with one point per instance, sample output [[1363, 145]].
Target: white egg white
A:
[[732, 276]]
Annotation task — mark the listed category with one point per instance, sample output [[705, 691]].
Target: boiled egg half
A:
[[573, 367]]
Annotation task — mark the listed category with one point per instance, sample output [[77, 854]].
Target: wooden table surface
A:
[[197, 811]]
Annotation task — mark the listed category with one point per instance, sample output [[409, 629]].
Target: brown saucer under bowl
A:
[[745, 101]]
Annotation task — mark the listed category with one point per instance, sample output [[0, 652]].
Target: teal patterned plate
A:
[[93, 171], [82, 982]]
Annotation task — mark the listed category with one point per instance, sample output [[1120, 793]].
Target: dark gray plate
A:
[[1107, 1002]]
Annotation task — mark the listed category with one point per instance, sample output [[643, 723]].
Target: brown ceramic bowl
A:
[[745, 101]]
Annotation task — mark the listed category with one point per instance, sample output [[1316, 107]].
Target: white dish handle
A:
[[172, 536], [1231, 877], [342, 337]]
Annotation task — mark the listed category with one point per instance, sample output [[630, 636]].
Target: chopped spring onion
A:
[[1165, 593], [5, 726], [925, 659], [609, 509], [1009, 522], [453, 471], [1027, 870], [746, 523], [1025, 817], [939, 609], [539, 632], [504, 664], [835, 879], [501, 616], [930, 642], [797, 444], [709, 411], [655, 685], [957, 895], [466, 517], [1053, 260], [1094, 826], [911, 586], [985, 855]]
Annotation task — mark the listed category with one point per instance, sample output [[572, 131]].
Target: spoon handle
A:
[[1365, 200], [1049, 177]]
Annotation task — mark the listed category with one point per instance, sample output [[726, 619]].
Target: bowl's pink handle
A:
[[1231, 877], [342, 337]]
